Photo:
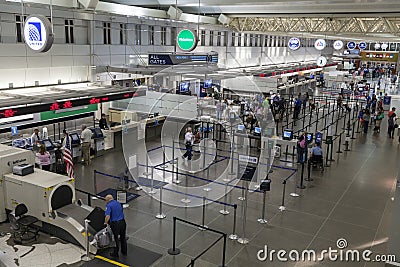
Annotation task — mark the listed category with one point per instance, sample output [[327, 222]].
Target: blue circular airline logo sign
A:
[[294, 43], [38, 34], [362, 45], [351, 45], [320, 44]]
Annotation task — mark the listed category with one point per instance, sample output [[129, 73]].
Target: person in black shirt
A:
[[103, 122]]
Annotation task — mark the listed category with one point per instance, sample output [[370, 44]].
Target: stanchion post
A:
[[177, 181], [152, 191], [186, 199], [203, 219], [301, 186], [243, 240], [95, 181], [225, 211], [146, 173], [234, 236], [340, 144], [327, 156], [161, 214], [87, 257], [282, 207], [332, 147], [174, 250], [262, 220]]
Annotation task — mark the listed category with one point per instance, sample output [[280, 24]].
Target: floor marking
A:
[[111, 261]]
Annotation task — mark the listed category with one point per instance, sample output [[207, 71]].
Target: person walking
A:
[[391, 122], [189, 138], [366, 119], [44, 158], [86, 138], [115, 218]]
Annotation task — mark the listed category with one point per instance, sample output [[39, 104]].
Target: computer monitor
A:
[[97, 132], [207, 83], [75, 138], [310, 137], [287, 134], [241, 128], [184, 87], [257, 131], [318, 137], [48, 144]]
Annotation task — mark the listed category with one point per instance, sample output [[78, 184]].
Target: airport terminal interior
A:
[[183, 133]]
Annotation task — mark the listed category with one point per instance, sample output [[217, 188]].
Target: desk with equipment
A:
[[48, 196]]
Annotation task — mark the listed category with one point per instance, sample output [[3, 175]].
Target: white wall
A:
[[72, 62]]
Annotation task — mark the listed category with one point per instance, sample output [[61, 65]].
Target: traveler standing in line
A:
[[301, 144], [115, 218], [189, 138], [366, 119], [86, 138], [391, 122], [44, 158]]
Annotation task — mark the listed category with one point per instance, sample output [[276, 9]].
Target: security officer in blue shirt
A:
[[115, 218]]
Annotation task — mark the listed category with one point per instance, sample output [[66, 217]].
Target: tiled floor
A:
[[351, 200]]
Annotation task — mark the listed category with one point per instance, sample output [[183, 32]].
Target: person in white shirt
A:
[[35, 139], [189, 139], [86, 137]]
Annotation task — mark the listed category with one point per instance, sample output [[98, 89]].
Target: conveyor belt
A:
[[74, 211]]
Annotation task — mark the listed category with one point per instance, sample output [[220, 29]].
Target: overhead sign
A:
[[351, 45], [294, 43], [320, 44], [362, 45], [186, 40], [377, 46], [38, 34], [321, 61], [176, 59], [380, 56], [384, 46], [338, 44]]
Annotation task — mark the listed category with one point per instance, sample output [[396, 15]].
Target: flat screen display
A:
[[309, 137], [184, 87], [257, 131], [208, 83], [75, 137], [287, 134], [318, 137], [241, 128], [48, 144]]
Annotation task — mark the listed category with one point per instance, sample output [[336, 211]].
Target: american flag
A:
[[68, 158]]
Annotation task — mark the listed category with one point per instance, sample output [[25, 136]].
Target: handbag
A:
[[104, 237]]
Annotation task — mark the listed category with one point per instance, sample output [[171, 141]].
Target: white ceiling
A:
[[270, 7]]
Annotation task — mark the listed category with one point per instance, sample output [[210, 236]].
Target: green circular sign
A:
[[186, 40]]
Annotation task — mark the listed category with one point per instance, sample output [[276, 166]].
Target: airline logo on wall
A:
[[337, 45], [321, 61], [362, 45], [294, 43], [320, 44], [351, 45], [38, 34]]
